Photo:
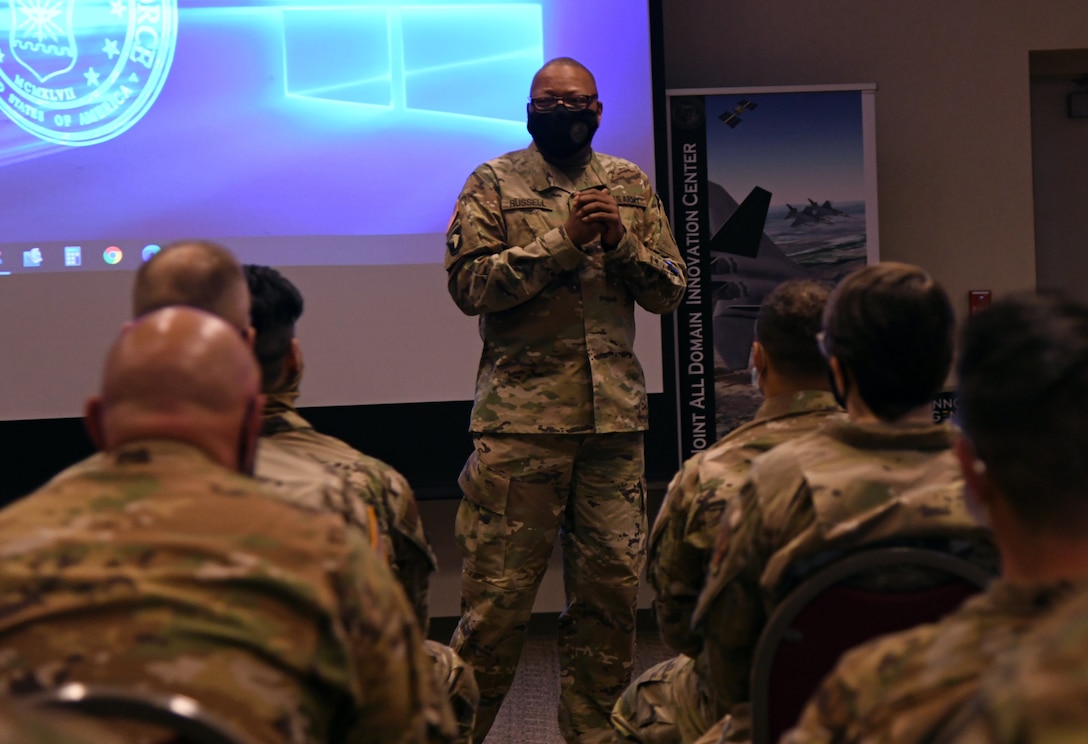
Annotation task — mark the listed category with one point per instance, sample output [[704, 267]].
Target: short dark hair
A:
[[565, 62], [891, 327], [276, 305], [1023, 402], [786, 327], [193, 273]]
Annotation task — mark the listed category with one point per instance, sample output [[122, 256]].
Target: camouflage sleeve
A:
[[731, 614], [415, 559], [412, 558], [397, 695], [834, 712], [826, 717], [648, 261], [486, 274], [677, 560]]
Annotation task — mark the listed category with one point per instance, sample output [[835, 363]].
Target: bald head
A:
[[196, 273], [565, 67], [178, 373]]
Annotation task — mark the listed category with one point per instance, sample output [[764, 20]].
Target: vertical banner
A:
[[688, 196], [765, 185]]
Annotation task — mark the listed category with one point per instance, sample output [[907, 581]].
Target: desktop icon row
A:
[[73, 255]]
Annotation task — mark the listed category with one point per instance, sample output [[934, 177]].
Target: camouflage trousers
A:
[[520, 491], [456, 678], [668, 704]]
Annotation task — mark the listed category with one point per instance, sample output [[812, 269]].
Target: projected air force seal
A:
[[80, 72]]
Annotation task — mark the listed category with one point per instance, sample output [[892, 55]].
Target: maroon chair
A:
[[825, 616], [183, 717]]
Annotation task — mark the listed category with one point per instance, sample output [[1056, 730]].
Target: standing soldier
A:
[[552, 246]]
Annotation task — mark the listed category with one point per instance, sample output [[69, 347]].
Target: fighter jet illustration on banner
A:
[[812, 213], [745, 266]]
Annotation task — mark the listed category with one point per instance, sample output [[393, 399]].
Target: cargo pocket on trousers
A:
[[481, 527]]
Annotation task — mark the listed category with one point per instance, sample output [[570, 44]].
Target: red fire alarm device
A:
[[977, 300]]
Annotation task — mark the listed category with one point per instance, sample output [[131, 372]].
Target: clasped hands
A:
[[594, 212]]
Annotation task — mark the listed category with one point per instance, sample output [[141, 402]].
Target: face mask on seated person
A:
[[561, 133]]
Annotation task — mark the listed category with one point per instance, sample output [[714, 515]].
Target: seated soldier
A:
[[166, 569], [205, 275], [671, 702], [887, 475], [1023, 408], [276, 307], [1034, 692]]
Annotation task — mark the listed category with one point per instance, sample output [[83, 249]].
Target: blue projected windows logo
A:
[[399, 57]]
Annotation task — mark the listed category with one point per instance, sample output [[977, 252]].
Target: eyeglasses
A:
[[546, 104], [821, 344]]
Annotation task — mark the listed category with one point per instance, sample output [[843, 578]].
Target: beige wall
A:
[[953, 129], [1059, 147]]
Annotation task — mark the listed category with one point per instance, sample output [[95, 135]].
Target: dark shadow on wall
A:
[[427, 442]]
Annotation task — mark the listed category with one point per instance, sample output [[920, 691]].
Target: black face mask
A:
[[562, 133]]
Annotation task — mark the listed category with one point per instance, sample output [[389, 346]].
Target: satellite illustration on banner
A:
[[765, 186]]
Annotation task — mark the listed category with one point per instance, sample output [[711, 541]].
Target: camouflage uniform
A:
[[377, 485], [813, 499], [902, 687], [298, 480], [386, 494], [161, 570], [670, 702], [559, 410]]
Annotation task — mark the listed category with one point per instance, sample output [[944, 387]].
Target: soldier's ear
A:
[[92, 422], [293, 363], [759, 357], [979, 485], [249, 434], [838, 374]]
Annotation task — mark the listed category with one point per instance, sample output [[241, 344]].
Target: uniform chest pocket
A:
[[529, 217], [632, 208]]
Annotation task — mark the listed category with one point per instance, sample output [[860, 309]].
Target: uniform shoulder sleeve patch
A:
[[453, 232]]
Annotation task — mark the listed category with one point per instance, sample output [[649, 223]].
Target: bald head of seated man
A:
[[194, 273], [184, 375], [165, 569], [205, 275]]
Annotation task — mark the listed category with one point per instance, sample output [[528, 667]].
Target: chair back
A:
[[183, 717], [824, 616]]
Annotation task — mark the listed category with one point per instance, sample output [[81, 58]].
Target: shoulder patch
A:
[[454, 238]]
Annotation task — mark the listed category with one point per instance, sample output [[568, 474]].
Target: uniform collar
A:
[[799, 401], [145, 451], [280, 417], [885, 435], [544, 176]]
